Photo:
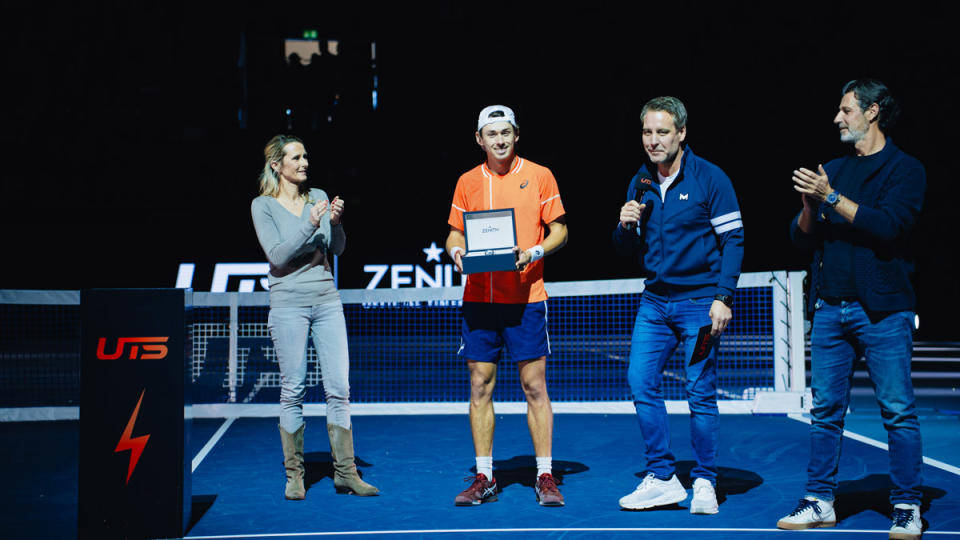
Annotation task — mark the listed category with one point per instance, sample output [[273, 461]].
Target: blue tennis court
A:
[[418, 462]]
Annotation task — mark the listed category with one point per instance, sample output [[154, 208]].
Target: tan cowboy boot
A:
[[345, 478], [293, 462]]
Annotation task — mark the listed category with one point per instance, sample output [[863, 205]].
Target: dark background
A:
[[126, 154]]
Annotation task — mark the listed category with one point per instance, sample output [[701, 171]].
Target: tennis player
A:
[[508, 308]]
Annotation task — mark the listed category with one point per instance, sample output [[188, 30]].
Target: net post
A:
[[781, 333], [232, 356], [798, 375]]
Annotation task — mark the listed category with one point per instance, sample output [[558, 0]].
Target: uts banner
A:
[[134, 476]]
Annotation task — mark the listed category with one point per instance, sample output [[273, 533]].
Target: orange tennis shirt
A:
[[531, 190]]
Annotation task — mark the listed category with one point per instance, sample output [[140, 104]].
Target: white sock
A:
[[544, 465], [485, 466]]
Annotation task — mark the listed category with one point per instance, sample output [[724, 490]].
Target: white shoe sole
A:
[[790, 526], [703, 509], [663, 500]]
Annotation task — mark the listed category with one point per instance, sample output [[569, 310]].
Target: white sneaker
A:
[[704, 498], [906, 522], [810, 513], [652, 492]]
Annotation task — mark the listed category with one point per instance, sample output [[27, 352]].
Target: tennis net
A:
[[404, 342]]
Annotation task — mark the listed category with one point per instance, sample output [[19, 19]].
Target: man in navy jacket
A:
[[682, 223], [858, 213]]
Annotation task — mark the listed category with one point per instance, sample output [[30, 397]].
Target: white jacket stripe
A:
[[729, 226], [719, 220]]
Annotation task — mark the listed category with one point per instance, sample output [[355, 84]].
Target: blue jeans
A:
[[661, 325], [843, 333], [289, 327]]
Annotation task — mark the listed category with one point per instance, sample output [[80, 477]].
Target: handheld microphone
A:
[[643, 185]]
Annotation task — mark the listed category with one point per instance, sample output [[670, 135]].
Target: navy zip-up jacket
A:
[[691, 244], [889, 202]]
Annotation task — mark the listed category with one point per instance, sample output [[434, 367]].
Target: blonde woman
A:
[[300, 230]]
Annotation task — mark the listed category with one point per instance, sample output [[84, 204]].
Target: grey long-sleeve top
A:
[[298, 252]]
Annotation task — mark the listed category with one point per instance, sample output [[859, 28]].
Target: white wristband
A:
[[453, 252], [536, 253]]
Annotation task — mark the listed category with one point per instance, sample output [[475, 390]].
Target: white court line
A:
[[211, 443], [557, 529], [883, 446]]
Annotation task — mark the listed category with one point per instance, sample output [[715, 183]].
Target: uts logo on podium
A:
[[150, 345]]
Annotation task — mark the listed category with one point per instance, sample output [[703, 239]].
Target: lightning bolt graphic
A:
[[136, 444]]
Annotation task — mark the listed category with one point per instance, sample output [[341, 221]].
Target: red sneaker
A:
[[547, 492], [479, 492]]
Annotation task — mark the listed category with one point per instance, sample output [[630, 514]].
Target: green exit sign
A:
[[309, 34]]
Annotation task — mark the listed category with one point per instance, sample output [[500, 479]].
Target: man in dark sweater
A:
[[858, 213]]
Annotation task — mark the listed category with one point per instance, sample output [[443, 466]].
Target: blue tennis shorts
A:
[[488, 327]]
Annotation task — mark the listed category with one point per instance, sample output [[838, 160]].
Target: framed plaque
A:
[[490, 235]]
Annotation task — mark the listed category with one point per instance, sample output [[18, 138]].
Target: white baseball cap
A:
[[487, 116]]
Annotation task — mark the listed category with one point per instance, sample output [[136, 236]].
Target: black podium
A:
[[135, 374]]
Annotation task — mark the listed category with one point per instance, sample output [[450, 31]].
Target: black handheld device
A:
[[644, 185]]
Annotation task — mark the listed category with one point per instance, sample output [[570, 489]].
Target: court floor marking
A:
[[883, 446], [555, 529], [211, 443]]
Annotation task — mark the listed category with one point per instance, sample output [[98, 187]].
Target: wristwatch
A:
[[725, 298], [832, 199]]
